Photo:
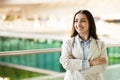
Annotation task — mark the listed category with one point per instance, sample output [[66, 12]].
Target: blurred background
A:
[[31, 34]]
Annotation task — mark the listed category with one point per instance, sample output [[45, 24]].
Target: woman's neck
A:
[[84, 37]]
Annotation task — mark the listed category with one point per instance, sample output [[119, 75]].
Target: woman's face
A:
[[81, 24]]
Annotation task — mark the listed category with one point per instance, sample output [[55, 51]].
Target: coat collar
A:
[[93, 46]]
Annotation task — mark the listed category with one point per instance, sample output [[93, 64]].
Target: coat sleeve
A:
[[69, 64], [99, 68]]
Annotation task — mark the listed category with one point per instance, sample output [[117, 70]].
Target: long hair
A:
[[92, 26]]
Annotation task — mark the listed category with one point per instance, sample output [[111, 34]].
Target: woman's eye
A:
[[75, 21], [83, 21]]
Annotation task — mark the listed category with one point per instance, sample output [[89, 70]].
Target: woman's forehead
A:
[[80, 15]]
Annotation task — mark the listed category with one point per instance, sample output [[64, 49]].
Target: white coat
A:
[[73, 66]]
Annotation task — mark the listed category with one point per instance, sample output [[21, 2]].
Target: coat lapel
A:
[[78, 49]]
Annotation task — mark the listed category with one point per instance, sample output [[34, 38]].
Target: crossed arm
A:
[[97, 61], [96, 65]]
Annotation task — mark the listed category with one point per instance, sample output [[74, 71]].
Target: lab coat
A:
[[73, 67]]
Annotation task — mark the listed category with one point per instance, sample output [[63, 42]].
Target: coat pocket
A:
[[77, 75], [69, 75], [74, 75]]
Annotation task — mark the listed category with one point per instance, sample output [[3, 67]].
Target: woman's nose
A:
[[79, 24]]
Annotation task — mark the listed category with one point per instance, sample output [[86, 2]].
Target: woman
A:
[[83, 55]]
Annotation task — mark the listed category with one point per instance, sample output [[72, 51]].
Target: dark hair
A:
[[92, 26]]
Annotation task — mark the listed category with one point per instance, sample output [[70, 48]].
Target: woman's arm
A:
[[98, 65], [98, 61], [66, 58]]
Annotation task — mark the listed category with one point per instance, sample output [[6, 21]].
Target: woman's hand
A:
[[97, 61], [70, 57]]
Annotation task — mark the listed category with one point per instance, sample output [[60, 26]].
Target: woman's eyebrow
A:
[[83, 18]]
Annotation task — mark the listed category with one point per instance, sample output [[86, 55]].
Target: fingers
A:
[[98, 61], [70, 57], [102, 61]]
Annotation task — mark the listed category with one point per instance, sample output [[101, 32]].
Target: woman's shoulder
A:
[[68, 40], [101, 43]]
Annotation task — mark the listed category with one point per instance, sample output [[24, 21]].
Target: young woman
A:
[[83, 55]]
